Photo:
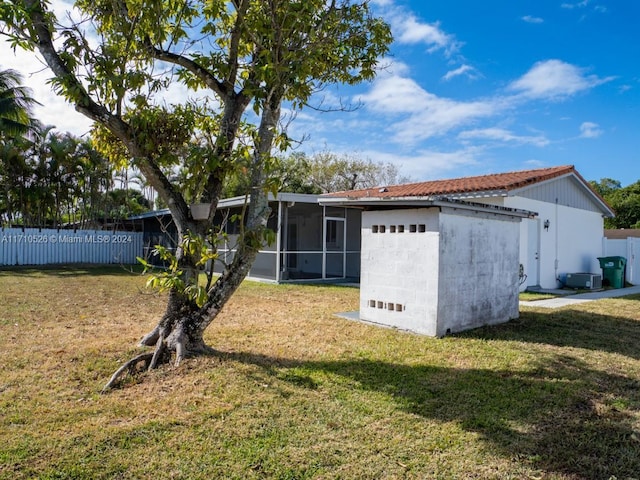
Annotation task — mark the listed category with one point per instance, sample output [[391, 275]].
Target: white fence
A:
[[34, 246], [628, 248]]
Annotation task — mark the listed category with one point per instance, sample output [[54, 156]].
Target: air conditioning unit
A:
[[584, 280]]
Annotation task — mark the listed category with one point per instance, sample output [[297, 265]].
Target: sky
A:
[[470, 88]]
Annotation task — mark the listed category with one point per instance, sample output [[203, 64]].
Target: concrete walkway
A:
[[581, 298]]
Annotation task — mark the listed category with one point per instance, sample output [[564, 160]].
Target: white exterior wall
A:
[[401, 269], [572, 244], [461, 272], [478, 271], [628, 248]]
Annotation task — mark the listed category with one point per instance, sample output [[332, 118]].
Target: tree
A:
[[52, 179], [606, 186], [258, 53], [15, 177], [293, 173], [15, 121], [15, 105], [325, 172], [119, 204], [329, 172], [625, 202]]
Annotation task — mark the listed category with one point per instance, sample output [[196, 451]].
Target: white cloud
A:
[[388, 66], [414, 114], [54, 110], [590, 130], [414, 31], [382, 3], [395, 94], [502, 135], [410, 30], [426, 114], [555, 79], [534, 163], [427, 164], [571, 6], [583, 4], [440, 116], [465, 70], [532, 19]]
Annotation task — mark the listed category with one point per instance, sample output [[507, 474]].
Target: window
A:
[[332, 233]]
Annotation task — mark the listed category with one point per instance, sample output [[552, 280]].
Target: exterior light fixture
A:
[[546, 225]]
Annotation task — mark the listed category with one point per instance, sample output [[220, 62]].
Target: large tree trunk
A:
[[181, 329]]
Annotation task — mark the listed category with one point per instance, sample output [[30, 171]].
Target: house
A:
[[323, 242], [566, 235], [435, 265], [312, 242]]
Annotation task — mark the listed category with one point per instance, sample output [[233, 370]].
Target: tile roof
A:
[[484, 183]]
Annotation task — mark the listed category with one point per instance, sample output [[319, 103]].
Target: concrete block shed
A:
[[436, 266]]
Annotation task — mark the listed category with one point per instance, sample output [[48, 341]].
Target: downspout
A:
[[557, 233], [344, 245], [278, 241], [324, 242]]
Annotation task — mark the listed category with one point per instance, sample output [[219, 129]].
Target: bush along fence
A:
[[35, 246]]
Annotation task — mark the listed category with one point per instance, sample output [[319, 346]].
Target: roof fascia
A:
[[281, 197], [424, 202]]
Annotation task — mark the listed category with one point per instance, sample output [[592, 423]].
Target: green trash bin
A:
[[613, 270]]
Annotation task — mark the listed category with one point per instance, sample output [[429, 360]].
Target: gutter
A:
[[366, 203]]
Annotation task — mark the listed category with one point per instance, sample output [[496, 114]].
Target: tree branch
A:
[[84, 104]]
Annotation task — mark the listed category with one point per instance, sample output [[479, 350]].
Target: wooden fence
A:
[[34, 246]]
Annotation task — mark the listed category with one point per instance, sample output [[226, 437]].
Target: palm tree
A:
[[15, 104]]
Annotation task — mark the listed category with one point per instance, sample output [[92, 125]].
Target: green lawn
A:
[[533, 296], [295, 392]]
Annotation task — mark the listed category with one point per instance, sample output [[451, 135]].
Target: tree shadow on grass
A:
[[568, 328], [560, 417]]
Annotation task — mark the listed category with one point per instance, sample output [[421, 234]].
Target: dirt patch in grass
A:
[[295, 392]]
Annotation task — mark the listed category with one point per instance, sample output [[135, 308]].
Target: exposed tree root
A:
[[180, 350], [161, 354], [157, 354], [150, 338], [174, 333], [131, 367]]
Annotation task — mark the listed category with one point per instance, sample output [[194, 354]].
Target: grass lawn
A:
[[533, 296], [295, 392]]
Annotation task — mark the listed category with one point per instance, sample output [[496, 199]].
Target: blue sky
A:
[[473, 87]]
